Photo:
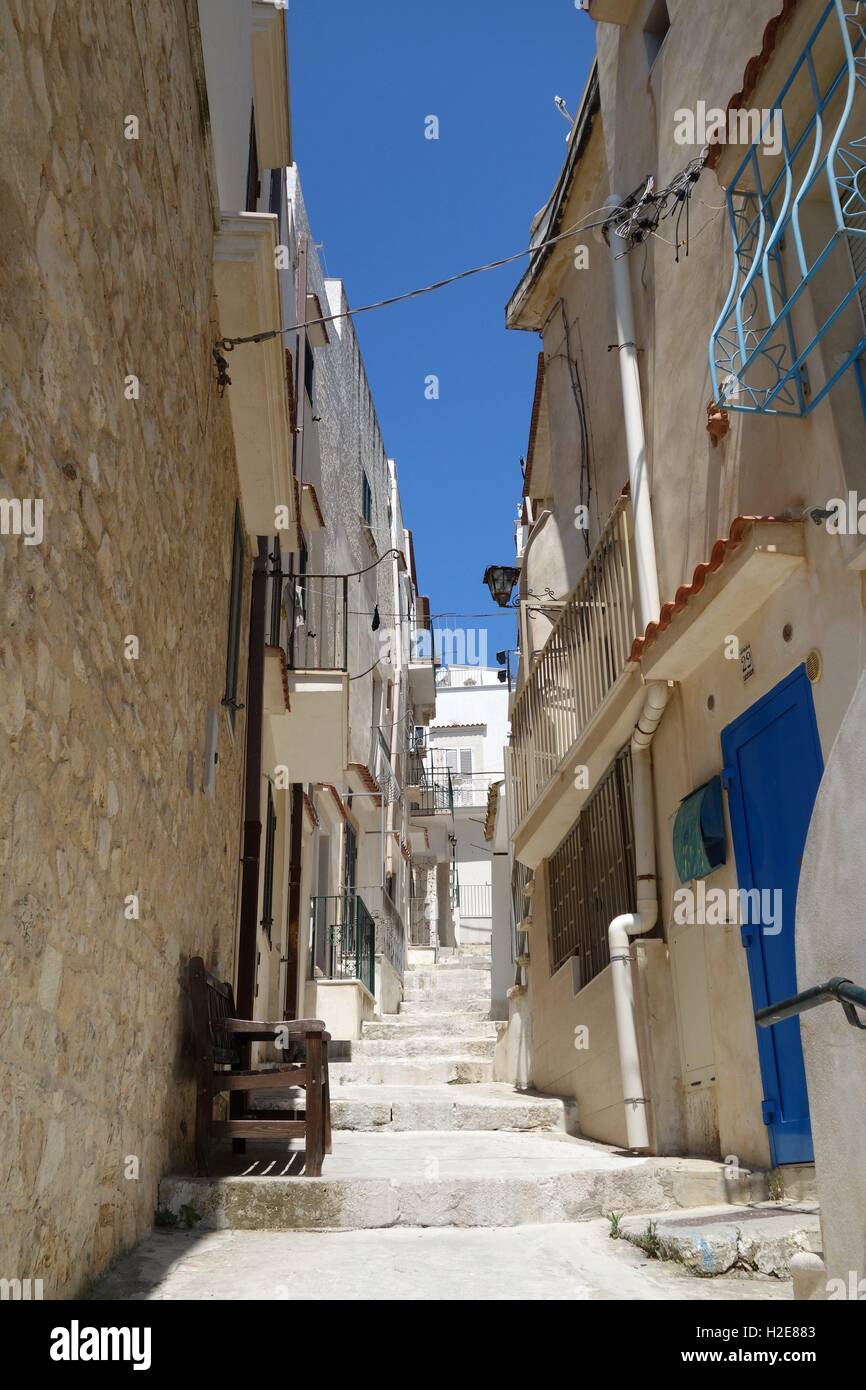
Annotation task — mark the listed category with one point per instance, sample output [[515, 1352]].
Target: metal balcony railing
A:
[[475, 900], [443, 788], [390, 933], [797, 218], [344, 938], [585, 654], [315, 608], [436, 792], [381, 766], [422, 923], [472, 788], [421, 640]]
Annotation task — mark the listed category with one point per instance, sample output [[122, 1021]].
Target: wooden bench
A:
[[222, 1047]]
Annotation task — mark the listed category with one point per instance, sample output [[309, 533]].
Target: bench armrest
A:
[[288, 1027]]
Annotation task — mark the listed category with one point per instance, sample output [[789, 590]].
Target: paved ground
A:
[[565, 1262]]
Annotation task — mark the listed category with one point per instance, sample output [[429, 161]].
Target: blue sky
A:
[[395, 210]]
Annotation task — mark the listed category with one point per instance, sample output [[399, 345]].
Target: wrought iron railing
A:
[[390, 931], [813, 201], [344, 939], [422, 641], [382, 767], [422, 922], [436, 793], [585, 654], [316, 612]]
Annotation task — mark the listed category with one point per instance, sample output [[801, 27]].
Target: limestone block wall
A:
[[106, 245]]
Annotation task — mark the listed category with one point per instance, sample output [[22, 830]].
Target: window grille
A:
[[591, 875], [797, 218]]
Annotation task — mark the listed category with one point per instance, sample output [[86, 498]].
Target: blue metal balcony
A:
[[798, 222]]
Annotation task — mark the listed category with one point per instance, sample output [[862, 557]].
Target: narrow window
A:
[[234, 638], [466, 761], [366, 500], [270, 846]]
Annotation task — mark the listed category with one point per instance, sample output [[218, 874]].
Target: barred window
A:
[[592, 874]]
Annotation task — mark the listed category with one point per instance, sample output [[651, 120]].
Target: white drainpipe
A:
[[631, 924]]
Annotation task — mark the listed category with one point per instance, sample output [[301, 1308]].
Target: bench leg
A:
[[239, 1100], [203, 1121], [314, 1100], [326, 1101]]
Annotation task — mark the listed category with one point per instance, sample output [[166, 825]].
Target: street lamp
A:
[[500, 580]]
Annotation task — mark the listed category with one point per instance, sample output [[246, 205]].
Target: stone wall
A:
[[106, 245]]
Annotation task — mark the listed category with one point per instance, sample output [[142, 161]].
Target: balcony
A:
[[797, 219], [581, 698], [422, 669], [390, 934], [343, 939], [444, 792], [309, 727], [382, 767], [248, 296]]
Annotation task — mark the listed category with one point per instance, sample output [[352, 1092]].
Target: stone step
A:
[[438, 1025], [435, 1021], [448, 967], [426, 1045], [493, 1106], [467, 950], [413, 1071], [714, 1240], [438, 1179], [460, 1004], [414, 992], [446, 979]]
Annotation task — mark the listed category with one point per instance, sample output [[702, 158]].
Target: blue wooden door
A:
[[773, 766]]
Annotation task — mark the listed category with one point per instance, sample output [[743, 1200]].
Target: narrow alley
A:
[[444, 1184], [432, 673]]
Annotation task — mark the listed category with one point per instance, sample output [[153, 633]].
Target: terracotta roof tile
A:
[[754, 69], [720, 551]]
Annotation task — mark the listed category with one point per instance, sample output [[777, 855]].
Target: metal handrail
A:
[[843, 991]]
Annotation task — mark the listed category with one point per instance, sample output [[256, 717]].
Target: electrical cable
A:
[[229, 344]]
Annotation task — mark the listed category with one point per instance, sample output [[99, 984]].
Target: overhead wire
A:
[[228, 344]]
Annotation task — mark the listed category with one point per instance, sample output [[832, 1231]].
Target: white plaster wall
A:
[[831, 941]]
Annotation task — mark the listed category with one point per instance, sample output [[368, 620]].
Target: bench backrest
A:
[[212, 1001]]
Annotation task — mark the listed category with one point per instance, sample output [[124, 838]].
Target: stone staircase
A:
[[425, 1136], [431, 1066]]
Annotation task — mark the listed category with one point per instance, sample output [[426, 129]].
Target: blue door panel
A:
[[773, 755]]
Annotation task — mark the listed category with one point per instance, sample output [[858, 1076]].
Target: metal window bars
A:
[[592, 874], [817, 201]]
